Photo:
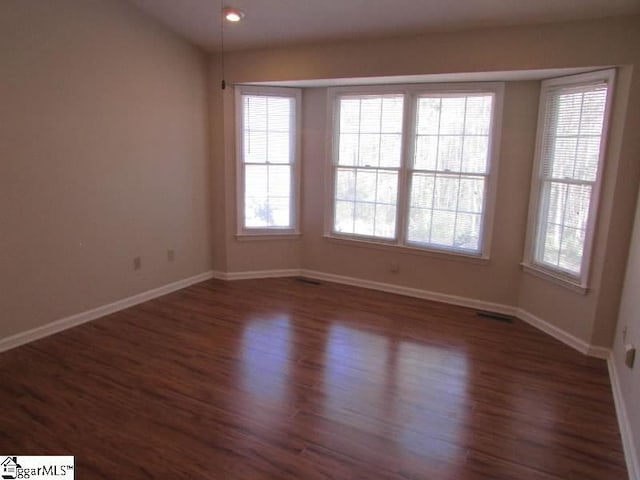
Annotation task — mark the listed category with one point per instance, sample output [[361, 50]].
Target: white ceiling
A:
[[279, 22]]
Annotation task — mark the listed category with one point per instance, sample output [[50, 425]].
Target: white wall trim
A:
[[83, 317], [554, 331], [630, 450], [68, 322], [557, 333], [411, 292], [256, 274]]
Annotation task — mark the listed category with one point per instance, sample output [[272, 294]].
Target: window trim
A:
[[411, 92], [576, 283], [268, 232]]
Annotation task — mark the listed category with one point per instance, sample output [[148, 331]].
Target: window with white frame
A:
[[568, 167], [412, 166], [267, 158]]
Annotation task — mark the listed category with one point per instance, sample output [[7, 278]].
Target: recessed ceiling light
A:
[[233, 14]]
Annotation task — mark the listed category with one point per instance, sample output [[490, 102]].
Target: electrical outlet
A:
[[171, 255], [629, 355], [137, 263]]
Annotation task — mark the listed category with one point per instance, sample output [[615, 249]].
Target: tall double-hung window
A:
[[267, 151], [567, 173], [415, 166]]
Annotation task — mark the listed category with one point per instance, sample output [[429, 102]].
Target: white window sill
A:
[[555, 278], [394, 247], [249, 237]]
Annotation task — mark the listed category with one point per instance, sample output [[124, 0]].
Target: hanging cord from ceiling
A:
[[223, 83]]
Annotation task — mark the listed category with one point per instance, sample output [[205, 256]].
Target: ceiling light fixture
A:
[[233, 14]]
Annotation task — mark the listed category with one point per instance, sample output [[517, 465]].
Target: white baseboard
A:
[[554, 331], [548, 328], [251, 275], [411, 292], [74, 320], [630, 450], [63, 324]]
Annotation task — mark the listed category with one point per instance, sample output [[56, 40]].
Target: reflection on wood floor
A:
[[278, 379]]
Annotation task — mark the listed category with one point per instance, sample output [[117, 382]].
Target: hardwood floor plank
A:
[[278, 379]]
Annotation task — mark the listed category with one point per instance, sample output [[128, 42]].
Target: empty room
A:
[[383, 239]]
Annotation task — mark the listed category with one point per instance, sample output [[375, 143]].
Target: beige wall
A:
[[601, 43], [493, 281], [630, 319], [103, 157]]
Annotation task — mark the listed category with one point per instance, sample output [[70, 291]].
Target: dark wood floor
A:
[[280, 379]]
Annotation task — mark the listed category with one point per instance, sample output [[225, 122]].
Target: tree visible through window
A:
[[424, 184], [568, 164], [267, 158]]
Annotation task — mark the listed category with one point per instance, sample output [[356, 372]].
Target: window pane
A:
[[426, 154], [390, 150], [428, 111], [255, 146], [256, 184], [422, 190], [345, 184], [471, 195], [385, 221], [445, 211], [447, 199], [452, 116], [446, 193], [570, 155], [366, 202], [392, 112], [278, 147], [256, 212], [366, 185], [387, 190], [419, 225], [369, 150], [442, 228], [348, 154], [279, 181], [567, 211], [450, 154], [279, 114], [267, 139], [467, 231], [364, 224], [267, 196], [474, 154], [371, 137], [349, 116], [477, 119], [370, 115], [255, 113], [344, 217], [371, 131], [279, 211]]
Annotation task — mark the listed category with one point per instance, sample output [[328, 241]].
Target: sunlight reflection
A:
[[265, 358], [421, 391]]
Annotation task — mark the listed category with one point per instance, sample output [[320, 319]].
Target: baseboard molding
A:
[[256, 274], [410, 292], [628, 444], [80, 318], [540, 324], [63, 324], [554, 331]]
